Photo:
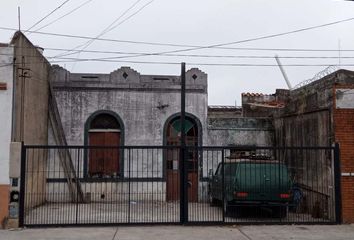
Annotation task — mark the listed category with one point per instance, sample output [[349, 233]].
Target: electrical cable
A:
[[193, 47], [68, 60], [108, 28], [229, 48], [47, 15], [207, 56], [61, 17]]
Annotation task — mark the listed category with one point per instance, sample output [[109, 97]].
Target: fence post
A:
[[223, 182], [337, 184], [22, 186], [182, 161]]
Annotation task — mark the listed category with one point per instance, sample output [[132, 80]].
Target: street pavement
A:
[[256, 232]]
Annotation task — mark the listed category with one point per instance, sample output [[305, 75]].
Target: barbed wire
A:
[[328, 70]]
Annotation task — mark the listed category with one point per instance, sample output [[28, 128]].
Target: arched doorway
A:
[[173, 138], [104, 129]]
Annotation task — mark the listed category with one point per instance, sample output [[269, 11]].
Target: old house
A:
[[104, 148]]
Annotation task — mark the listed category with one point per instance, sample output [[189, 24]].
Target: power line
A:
[[59, 18], [48, 15], [86, 44], [247, 40], [206, 56], [234, 56], [192, 47], [112, 26], [63, 60], [68, 60], [228, 48]]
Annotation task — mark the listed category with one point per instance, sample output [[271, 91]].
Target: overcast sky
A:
[[197, 23]]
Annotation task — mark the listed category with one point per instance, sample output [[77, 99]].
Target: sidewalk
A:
[[302, 232]]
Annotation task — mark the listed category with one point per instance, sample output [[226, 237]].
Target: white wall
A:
[[6, 76]]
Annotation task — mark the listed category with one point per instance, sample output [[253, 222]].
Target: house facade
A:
[[47, 105]]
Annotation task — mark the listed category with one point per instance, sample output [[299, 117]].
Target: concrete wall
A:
[[143, 103], [6, 82], [31, 100], [310, 119], [32, 93], [240, 131]]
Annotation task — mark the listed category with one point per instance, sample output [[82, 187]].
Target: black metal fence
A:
[[84, 185]]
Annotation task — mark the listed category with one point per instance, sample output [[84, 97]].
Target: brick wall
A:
[[343, 120]]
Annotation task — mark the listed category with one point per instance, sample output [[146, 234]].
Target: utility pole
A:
[[283, 72], [23, 76], [182, 162]]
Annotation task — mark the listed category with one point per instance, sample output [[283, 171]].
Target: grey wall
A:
[[240, 131], [30, 119], [144, 103]]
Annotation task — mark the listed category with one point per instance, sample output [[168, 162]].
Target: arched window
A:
[[104, 130], [174, 132]]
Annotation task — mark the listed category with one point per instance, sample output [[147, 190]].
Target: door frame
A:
[[199, 143]]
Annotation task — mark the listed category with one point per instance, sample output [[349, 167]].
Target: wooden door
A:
[[104, 162], [173, 176]]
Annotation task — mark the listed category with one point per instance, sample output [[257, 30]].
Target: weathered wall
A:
[[306, 129], [310, 119], [6, 90], [144, 103], [31, 109], [240, 131]]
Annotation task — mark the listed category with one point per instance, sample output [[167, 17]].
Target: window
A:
[[104, 133]]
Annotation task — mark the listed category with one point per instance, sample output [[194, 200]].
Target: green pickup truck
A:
[[248, 182]]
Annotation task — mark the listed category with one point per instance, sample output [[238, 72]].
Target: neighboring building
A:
[[6, 103], [25, 114], [317, 114]]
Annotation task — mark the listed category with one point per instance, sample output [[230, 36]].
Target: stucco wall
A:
[[240, 131], [143, 103], [31, 111], [32, 92]]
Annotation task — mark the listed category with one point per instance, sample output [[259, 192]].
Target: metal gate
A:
[[80, 185]]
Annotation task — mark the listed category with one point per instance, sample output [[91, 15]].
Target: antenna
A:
[[283, 72], [19, 18]]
